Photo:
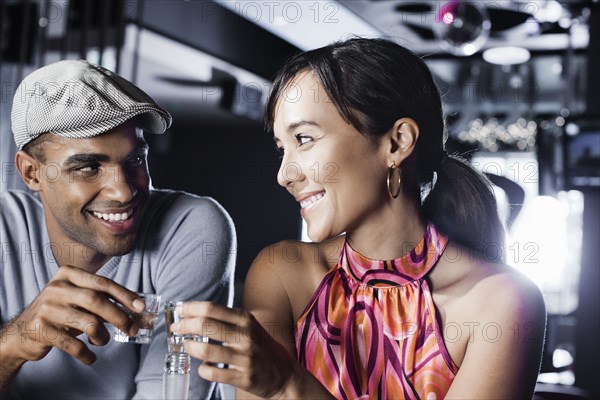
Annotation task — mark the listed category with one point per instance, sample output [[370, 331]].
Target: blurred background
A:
[[519, 80]]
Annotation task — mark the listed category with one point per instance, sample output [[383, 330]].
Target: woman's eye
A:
[[303, 139]]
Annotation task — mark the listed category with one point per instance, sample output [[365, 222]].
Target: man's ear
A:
[[30, 170], [402, 139]]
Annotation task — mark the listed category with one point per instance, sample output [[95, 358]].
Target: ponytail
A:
[[462, 205]]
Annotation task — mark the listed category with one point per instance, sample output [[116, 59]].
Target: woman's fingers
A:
[[215, 311], [214, 353], [211, 328], [256, 362], [229, 376]]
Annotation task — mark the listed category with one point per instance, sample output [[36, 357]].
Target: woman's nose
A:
[[289, 172]]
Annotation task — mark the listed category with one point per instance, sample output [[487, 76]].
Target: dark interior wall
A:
[[214, 29], [234, 161]]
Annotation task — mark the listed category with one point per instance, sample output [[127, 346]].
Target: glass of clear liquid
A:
[[146, 320], [175, 341]]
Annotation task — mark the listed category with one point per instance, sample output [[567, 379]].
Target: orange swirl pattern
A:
[[370, 330]]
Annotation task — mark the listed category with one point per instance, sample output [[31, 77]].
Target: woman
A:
[[359, 124]]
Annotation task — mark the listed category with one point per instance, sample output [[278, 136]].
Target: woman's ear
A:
[[29, 169], [403, 138]]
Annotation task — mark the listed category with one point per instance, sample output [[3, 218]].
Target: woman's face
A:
[[337, 175]]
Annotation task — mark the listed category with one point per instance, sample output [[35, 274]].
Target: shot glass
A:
[[175, 341], [146, 320]]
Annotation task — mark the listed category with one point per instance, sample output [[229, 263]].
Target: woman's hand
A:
[[254, 361]]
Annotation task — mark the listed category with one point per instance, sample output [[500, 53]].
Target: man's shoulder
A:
[[180, 201], [178, 207], [14, 197], [15, 203]]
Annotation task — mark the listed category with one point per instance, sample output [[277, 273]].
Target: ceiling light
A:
[[462, 28], [550, 12], [572, 129], [506, 55]]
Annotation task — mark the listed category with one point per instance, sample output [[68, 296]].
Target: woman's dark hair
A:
[[375, 82]]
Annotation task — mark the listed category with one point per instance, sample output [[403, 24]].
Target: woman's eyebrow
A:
[[298, 124]]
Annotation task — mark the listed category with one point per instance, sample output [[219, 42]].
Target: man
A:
[[95, 234]]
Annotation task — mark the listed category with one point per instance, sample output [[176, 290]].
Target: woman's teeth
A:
[[114, 217], [311, 200]]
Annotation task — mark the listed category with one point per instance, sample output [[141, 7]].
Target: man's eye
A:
[[139, 160], [89, 168]]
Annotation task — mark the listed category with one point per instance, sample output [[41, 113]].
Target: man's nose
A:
[[119, 185]]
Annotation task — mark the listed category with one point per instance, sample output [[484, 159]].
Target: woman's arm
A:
[[504, 350], [258, 343]]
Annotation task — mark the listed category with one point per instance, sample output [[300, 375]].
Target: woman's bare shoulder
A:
[[483, 285], [291, 256], [501, 315], [294, 269]]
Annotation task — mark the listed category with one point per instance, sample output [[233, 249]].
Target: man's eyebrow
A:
[[89, 158], [85, 158]]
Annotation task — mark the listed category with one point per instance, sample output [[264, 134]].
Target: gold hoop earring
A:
[[391, 170]]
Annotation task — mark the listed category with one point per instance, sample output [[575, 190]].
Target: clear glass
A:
[[146, 321], [176, 376], [175, 341]]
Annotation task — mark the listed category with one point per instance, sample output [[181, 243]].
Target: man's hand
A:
[[73, 302]]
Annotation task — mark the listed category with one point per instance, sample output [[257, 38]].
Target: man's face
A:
[[95, 190]]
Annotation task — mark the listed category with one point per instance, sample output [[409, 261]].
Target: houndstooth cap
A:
[[77, 99]]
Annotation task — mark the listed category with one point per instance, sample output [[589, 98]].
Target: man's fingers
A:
[[61, 339], [93, 292], [98, 304], [98, 283], [80, 321]]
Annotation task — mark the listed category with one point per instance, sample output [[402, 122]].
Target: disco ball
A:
[[461, 27]]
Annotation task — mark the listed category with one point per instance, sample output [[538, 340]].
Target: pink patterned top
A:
[[370, 330]]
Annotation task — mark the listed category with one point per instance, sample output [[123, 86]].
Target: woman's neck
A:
[[390, 232]]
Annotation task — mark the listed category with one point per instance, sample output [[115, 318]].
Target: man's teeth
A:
[[114, 217], [312, 199]]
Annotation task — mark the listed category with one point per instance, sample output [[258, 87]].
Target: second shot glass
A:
[[175, 341]]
